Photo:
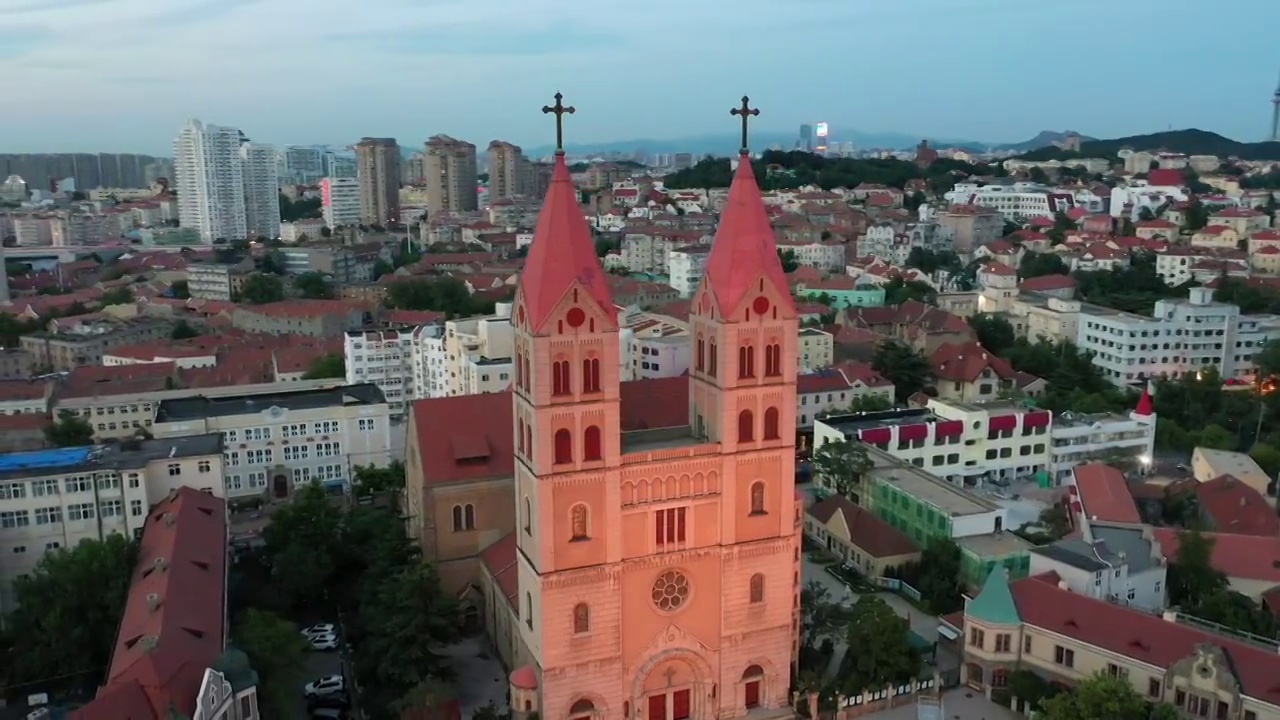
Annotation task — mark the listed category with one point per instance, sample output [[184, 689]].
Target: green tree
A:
[[1267, 457], [884, 655], [382, 267], [183, 330], [369, 478], [840, 464], [302, 545], [261, 288], [69, 430], [1216, 437], [821, 617], [117, 296], [898, 291], [937, 576], [1197, 215], [909, 371], [1038, 175], [277, 652], [1038, 264], [1100, 697], [1192, 575], [788, 259], [329, 365], [870, 403], [994, 332], [408, 615], [1268, 360], [313, 286], [448, 295], [67, 611]]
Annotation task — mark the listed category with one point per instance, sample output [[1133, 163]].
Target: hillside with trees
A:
[[1190, 142], [793, 169]]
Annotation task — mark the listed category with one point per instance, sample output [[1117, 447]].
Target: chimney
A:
[[149, 642], [153, 602], [159, 564], [169, 519], [1062, 585], [1170, 616]]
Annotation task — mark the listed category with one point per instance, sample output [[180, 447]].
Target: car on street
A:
[[328, 641], [327, 685], [321, 629]]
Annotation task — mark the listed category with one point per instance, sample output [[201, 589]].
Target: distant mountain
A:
[[1189, 142], [1046, 138]]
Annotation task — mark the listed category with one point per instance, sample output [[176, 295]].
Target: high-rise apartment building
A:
[[340, 201], [414, 171], [261, 190], [378, 170], [451, 175], [508, 170], [303, 164], [209, 178]]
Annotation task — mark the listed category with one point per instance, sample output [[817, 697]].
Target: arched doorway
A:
[[470, 619], [674, 685], [280, 486], [752, 684], [973, 676]]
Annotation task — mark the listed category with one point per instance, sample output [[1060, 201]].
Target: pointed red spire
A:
[[562, 252], [1144, 404], [743, 249]]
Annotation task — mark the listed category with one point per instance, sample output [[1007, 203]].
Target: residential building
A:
[[215, 281], [582, 578], [23, 397], [274, 442], [485, 375], [1227, 505], [340, 201], [833, 390], [316, 318], [1040, 626], [57, 497], [378, 173], [15, 364], [1250, 562], [471, 341], [1076, 438], [384, 358], [1181, 336], [343, 263], [210, 181], [261, 191], [302, 165], [1100, 493], [1244, 221], [686, 266], [843, 291], [300, 231], [858, 538], [817, 349], [85, 343], [965, 443], [652, 346], [1022, 201], [507, 171], [966, 372], [430, 368], [451, 175], [1208, 464], [1122, 565], [924, 507], [171, 655]]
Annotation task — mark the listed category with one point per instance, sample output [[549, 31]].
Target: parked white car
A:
[[327, 685], [328, 641], [321, 629]]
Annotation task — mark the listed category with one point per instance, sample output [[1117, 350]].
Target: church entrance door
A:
[[672, 705]]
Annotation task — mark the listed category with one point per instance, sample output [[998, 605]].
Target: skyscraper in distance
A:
[[806, 137], [261, 190], [508, 170], [1275, 114], [378, 169], [451, 175], [209, 178]]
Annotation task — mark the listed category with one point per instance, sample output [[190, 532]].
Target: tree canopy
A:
[[908, 370], [448, 295], [1099, 697], [260, 288], [277, 652], [329, 365], [1132, 288], [880, 652], [798, 168], [840, 464], [313, 286], [69, 430]]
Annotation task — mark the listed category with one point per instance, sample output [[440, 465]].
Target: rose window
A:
[[670, 590]]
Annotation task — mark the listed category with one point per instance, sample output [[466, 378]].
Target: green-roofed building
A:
[[994, 605]]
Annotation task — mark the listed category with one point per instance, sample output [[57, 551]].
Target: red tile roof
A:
[[1248, 557], [562, 254], [1236, 507], [468, 437], [11, 390], [1105, 493], [820, 382], [1138, 635], [500, 559], [1046, 283], [964, 362], [744, 250], [1165, 176], [869, 533], [172, 629]]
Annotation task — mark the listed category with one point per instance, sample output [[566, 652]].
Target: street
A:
[[957, 704], [922, 624], [318, 665]]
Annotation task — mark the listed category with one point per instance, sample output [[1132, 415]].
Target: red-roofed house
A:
[[1102, 494], [1060, 286], [968, 373], [1244, 221], [170, 642], [1250, 562], [859, 538], [1037, 625], [1228, 505]]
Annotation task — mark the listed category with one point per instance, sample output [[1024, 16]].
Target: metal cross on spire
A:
[[560, 110], [746, 111]]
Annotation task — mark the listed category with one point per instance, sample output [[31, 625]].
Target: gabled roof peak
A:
[[744, 248]]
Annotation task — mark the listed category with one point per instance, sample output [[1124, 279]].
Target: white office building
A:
[[1078, 438], [384, 358], [687, 265], [261, 190], [209, 177], [1020, 201], [430, 366], [1181, 336], [340, 199]]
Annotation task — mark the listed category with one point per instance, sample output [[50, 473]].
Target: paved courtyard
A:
[[481, 679], [957, 704]]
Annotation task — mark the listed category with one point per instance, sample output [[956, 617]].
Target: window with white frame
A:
[[111, 508], [257, 434], [134, 480], [204, 466], [135, 507], [41, 488], [297, 452], [48, 515], [231, 436], [232, 458], [365, 424], [175, 469], [15, 518], [259, 456], [295, 430], [13, 491], [258, 479], [301, 475], [80, 511], [108, 481], [328, 449], [327, 427], [79, 483], [233, 482]]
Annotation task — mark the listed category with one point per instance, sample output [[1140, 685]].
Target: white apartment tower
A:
[[210, 181], [340, 199], [261, 190]]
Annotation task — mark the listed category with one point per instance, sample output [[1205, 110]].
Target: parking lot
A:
[[318, 665]]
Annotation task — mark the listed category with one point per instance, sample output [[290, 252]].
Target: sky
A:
[[124, 75]]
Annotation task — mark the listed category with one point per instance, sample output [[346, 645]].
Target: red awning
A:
[[913, 432], [1036, 419], [1003, 422], [875, 436], [948, 428]]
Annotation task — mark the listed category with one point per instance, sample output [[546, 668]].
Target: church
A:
[[651, 573]]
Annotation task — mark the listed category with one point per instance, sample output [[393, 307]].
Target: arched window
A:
[[757, 498], [757, 588], [751, 679], [771, 424], [591, 443], [469, 517], [528, 440], [702, 348], [591, 375], [520, 435], [519, 369], [583, 708], [772, 360], [560, 377], [746, 426], [528, 370], [528, 608], [711, 360], [746, 362], [564, 446], [581, 624], [457, 518], [578, 522], [528, 516]]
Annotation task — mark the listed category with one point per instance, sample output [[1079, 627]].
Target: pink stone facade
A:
[[658, 570]]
